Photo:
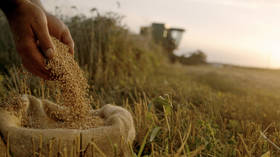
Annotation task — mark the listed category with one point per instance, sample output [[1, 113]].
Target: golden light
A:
[[272, 52]]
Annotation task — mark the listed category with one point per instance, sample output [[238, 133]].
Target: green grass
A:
[[178, 110]]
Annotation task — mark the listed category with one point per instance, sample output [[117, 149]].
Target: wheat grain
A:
[[70, 79]]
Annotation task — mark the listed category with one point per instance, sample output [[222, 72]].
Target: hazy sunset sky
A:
[[242, 32]]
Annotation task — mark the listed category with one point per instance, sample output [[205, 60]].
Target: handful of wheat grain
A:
[[70, 79]]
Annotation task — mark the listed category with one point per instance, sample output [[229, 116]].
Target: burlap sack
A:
[[2, 148], [112, 139]]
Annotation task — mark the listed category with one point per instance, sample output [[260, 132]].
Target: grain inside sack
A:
[[73, 110]]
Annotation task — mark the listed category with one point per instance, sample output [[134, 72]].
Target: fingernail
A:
[[49, 53]]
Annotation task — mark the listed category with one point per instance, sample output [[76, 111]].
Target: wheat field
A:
[[178, 110]]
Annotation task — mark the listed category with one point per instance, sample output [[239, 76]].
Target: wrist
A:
[[10, 6]]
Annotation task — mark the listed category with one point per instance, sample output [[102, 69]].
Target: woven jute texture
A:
[[112, 137]]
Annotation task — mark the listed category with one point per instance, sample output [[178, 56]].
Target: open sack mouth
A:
[[110, 137]]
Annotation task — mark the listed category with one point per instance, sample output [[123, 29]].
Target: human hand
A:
[[31, 30], [60, 31], [28, 24]]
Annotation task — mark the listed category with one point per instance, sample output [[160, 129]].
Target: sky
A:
[[240, 32]]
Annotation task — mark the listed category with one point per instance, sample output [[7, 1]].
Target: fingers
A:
[[67, 39], [28, 25], [32, 59], [59, 30], [36, 70], [41, 31]]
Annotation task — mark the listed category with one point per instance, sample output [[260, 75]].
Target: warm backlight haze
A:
[[241, 32]]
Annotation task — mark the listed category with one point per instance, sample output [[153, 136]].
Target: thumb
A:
[[44, 38]]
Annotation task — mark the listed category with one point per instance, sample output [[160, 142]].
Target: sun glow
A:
[[272, 52]]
